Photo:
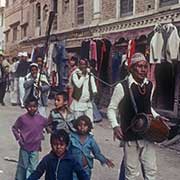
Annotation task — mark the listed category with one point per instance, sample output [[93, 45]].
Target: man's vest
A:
[[77, 92], [127, 111]]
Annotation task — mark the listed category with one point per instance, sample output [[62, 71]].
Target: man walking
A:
[[84, 88], [137, 150]]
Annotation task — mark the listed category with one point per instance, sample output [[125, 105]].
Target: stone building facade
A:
[[76, 20], [2, 26], [26, 20]]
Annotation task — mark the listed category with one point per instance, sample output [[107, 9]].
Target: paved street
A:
[[168, 160]]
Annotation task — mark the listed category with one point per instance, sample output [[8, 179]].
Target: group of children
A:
[[73, 146]]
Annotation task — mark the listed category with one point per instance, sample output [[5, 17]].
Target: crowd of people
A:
[[69, 123]]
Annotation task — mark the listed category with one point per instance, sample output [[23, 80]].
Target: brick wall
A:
[[108, 9], [144, 5]]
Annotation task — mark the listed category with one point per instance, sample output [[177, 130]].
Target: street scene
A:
[[89, 89], [168, 160]]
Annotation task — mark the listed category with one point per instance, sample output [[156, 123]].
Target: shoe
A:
[[3, 104], [22, 106]]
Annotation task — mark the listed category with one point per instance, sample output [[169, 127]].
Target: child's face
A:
[[58, 147], [59, 101], [82, 127], [32, 108]]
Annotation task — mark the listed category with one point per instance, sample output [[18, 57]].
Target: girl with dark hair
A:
[[83, 144]]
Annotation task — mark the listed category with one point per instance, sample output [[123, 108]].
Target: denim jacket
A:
[[89, 149]]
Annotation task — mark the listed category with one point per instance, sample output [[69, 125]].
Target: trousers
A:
[[137, 153], [26, 164]]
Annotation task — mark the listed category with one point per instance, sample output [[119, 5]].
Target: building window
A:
[[168, 2], [38, 14], [15, 32], [55, 25], [55, 7], [7, 36], [126, 7], [24, 31], [7, 3], [45, 12], [1, 20], [80, 11]]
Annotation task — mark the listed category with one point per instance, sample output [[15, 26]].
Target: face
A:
[[83, 66], [1, 59], [39, 61], [34, 71], [23, 58], [140, 70], [72, 62], [32, 108], [58, 147], [59, 101], [82, 127]]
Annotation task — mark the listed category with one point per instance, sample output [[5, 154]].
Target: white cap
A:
[[137, 57], [20, 54], [33, 64], [25, 54]]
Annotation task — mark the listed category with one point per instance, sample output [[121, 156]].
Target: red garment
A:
[[93, 50], [131, 50]]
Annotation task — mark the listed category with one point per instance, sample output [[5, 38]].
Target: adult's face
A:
[[83, 66], [39, 61], [1, 59], [139, 71]]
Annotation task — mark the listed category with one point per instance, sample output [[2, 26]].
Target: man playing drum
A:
[[137, 149]]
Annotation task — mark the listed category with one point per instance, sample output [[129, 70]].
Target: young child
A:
[[59, 163], [83, 144], [60, 117], [28, 131]]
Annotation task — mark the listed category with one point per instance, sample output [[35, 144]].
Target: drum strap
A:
[[133, 100]]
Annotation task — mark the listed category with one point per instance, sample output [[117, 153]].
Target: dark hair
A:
[[60, 135], [29, 100], [62, 93], [74, 58], [84, 118]]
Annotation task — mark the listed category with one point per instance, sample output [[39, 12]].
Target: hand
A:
[[109, 163], [117, 133]]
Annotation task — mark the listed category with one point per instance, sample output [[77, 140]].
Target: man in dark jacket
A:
[[3, 76]]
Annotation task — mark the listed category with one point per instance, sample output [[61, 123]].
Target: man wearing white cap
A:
[[21, 72], [137, 150], [38, 86]]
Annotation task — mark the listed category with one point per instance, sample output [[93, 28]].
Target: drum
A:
[[154, 130]]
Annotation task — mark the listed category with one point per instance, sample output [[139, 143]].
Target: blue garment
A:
[[26, 164], [116, 62], [59, 57], [87, 149], [59, 169]]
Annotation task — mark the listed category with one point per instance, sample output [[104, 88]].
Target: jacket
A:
[[44, 88], [56, 121], [89, 147], [58, 169]]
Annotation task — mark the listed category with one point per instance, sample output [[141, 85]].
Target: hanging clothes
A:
[[116, 65], [84, 51], [131, 50], [93, 50], [59, 58], [173, 43]]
